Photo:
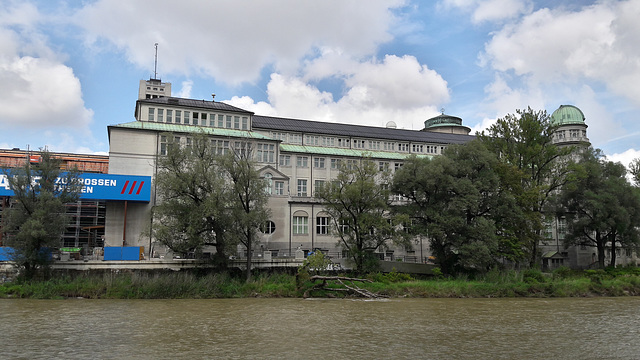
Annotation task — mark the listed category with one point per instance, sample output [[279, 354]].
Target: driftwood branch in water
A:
[[351, 288]]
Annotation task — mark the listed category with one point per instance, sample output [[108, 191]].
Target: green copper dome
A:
[[443, 120], [566, 115]]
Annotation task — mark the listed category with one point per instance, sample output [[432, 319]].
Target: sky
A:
[[68, 69]]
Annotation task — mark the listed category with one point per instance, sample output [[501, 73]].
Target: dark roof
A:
[[193, 103], [316, 127]]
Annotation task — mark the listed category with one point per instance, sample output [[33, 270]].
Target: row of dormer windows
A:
[[349, 143], [173, 116]]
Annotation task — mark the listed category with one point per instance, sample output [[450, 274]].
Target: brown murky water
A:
[[593, 328]]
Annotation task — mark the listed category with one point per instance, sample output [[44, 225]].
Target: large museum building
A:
[[295, 157]]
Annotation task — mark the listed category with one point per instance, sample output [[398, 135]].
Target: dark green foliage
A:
[[602, 209], [457, 201], [36, 219], [392, 277], [534, 168], [634, 169], [533, 276]]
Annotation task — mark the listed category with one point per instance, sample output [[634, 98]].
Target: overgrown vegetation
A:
[[563, 282]]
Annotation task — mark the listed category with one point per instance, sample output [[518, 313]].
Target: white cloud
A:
[[396, 89], [185, 91], [495, 10], [36, 89], [233, 41], [625, 157], [490, 10], [596, 43]]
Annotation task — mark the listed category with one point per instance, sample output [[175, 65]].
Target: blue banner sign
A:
[[102, 187]]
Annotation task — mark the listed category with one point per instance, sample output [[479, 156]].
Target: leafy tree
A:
[[192, 211], [458, 202], [601, 207], [359, 204], [36, 219], [634, 169], [524, 142], [247, 198]]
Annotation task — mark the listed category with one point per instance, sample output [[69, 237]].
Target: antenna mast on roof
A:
[[155, 66]]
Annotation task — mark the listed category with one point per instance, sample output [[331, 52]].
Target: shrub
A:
[[533, 276], [562, 272]]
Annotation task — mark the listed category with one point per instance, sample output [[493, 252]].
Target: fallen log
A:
[[350, 289]]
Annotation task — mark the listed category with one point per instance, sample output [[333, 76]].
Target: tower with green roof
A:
[[444, 123], [572, 129]]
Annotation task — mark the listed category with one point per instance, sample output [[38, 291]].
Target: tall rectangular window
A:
[[152, 114], [236, 122], [169, 116], [318, 184], [318, 163], [285, 160], [279, 187], [160, 115], [220, 120], [178, 116], [265, 153], [245, 123], [212, 120], [163, 145], [300, 225], [195, 120], [322, 225], [187, 117], [302, 187]]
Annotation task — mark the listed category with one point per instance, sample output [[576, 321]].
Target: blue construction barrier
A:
[[127, 253], [5, 253]]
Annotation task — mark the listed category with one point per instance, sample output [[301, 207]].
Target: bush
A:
[[392, 277], [533, 276], [562, 272]]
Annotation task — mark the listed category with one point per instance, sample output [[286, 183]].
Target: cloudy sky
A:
[[70, 68]]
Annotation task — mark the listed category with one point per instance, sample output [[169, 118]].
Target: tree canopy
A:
[[602, 209], [208, 196], [524, 142], [457, 201], [36, 219], [359, 203], [193, 200], [247, 198]]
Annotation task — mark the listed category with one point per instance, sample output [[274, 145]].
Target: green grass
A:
[[186, 285]]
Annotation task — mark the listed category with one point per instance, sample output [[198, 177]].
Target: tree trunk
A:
[[249, 241], [600, 244], [613, 249]]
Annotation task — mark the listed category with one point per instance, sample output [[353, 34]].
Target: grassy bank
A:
[[531, 283], [181, 285]]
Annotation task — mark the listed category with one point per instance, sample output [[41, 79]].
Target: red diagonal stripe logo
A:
[[139, 187], [132, 187], [124, 187]]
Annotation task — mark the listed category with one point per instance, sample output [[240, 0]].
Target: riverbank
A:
[[185, 285]]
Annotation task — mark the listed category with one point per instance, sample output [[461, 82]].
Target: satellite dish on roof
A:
[[391, 125]]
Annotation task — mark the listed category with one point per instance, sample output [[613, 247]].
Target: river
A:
[[567, 328]]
